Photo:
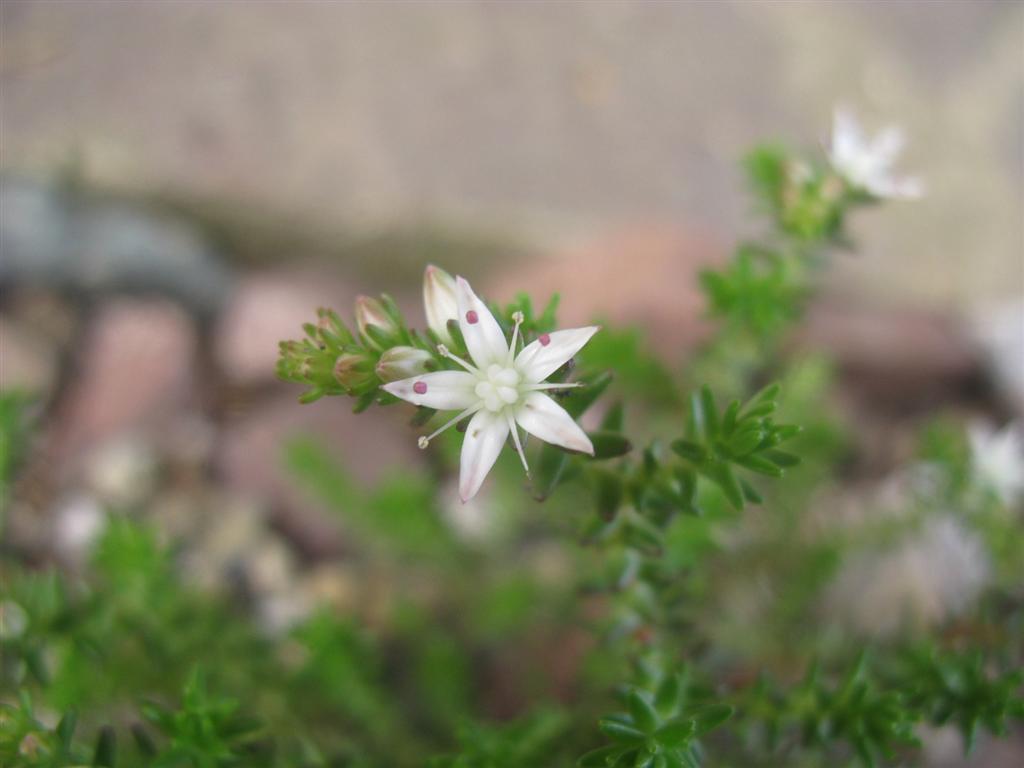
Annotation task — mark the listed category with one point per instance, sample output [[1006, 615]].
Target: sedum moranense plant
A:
[[697, 567], [681, 704]]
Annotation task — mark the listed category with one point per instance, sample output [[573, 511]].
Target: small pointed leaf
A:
[[609, 445], [710, 717], [105, 753], [689, 450], [621, 732], [677, 733], [642, 712]]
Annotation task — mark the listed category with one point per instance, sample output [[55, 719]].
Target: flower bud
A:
[[439, 301], [371, 312], [352, 371], [402, 363]]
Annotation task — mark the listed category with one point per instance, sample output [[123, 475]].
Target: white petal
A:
[[847, 139], [446, 390], [485, 436], [538, 361], [484, 339], [906, 188], [887, 145], [439, 301], [544, 418]]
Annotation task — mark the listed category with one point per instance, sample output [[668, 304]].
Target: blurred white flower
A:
[[502, 391], [79, 523], [123, 472], [935, 574], [998, 328], [867, 163], [998, 459]]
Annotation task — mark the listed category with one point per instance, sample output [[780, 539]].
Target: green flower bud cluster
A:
[[334, 360]]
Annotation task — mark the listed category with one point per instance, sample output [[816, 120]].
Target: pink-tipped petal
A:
[[444, 390], [538, 360], [484, 439], [484, 339], [544, 418]]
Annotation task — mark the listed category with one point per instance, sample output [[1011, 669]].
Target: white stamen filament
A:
[[514, 429], [443, 351], [518, 317], [423, 442], [549, 385]]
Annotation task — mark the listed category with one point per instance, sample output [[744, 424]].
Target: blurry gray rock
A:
[[60, 238], [187, 446], [135, 374], [267, 308], [176, 516], [205, 520], [943, 747], [269, 566], [897, 352], [332, 584], [659, 291], [29, 360], [272, 580], [218, 531], [252, 451]]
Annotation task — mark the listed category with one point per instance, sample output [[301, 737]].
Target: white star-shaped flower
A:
[[867, 163], [998, 459], [501, 390]]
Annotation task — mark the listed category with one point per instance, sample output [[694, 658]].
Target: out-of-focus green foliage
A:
[[659, 513], [660, 729], [661, 566], [127, 654], [806, 199], [744, 436], [14, 431], [533, 740], [760, 290], [639, 374], [963, 688], [401, 512]]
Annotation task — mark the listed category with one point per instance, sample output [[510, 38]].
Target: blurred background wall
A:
[[552, 124]]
